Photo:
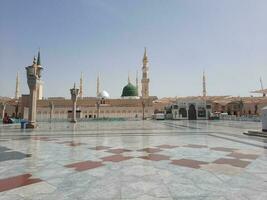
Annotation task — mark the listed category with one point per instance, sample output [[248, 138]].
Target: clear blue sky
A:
[[227, 38]]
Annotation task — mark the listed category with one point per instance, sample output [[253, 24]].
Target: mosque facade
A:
[[129, 105]]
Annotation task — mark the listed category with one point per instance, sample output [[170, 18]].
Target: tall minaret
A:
[[264, 95], [81, 86], [145, 79], [136, 83], [97, 85], [40, 86], [17, 92], [129, 80], [204, 85]]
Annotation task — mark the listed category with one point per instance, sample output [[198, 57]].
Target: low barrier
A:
[[241, 118]]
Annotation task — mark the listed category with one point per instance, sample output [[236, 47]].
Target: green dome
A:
[[129, 91]]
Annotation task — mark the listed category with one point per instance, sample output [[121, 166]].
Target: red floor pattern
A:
[[17, 181], [155, 157], [85, 165]]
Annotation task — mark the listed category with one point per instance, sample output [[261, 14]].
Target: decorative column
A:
[[16, 109], [33, 80], [74, 94], [51, 106], [3, 108]]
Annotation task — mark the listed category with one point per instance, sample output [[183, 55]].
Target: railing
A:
[[251, 118]]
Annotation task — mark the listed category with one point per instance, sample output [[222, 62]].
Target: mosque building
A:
[[130, 105]]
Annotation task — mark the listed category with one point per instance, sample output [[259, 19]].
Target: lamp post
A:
[[3, 108], [33, 80], [143, 107], [16, 109], [51, 106], [74, 94], [98, 108]]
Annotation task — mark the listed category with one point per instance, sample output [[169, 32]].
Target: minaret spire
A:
[[136, 83], [204, 85], [98, 85], [39, 58], [17, 92], [264, 95], [145, 60], [81, 86]]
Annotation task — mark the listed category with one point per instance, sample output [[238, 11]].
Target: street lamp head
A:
[[74, 93], [30, 71]]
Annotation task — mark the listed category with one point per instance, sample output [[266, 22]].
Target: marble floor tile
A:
[[100, 148], [81, 166], [223, 169], [167, 146], [151, 150], [115, 158], [233, 162], [118, 151], [188, 163], [17, 181], [243, 156], [155, 157], [32, 190], [223, 149]]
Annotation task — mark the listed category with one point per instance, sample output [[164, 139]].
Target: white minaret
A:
[[204, 85], [136, 83], [264, 95], [98, 85], [145, 79], [41, 83], [81, 86], [17, 92], [129, 80]]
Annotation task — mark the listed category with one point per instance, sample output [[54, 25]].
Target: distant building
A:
[[191, 109]]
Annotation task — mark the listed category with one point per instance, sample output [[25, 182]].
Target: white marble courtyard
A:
[[133, 160]]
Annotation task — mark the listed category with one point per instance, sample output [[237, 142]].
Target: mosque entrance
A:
[[192, 114]]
